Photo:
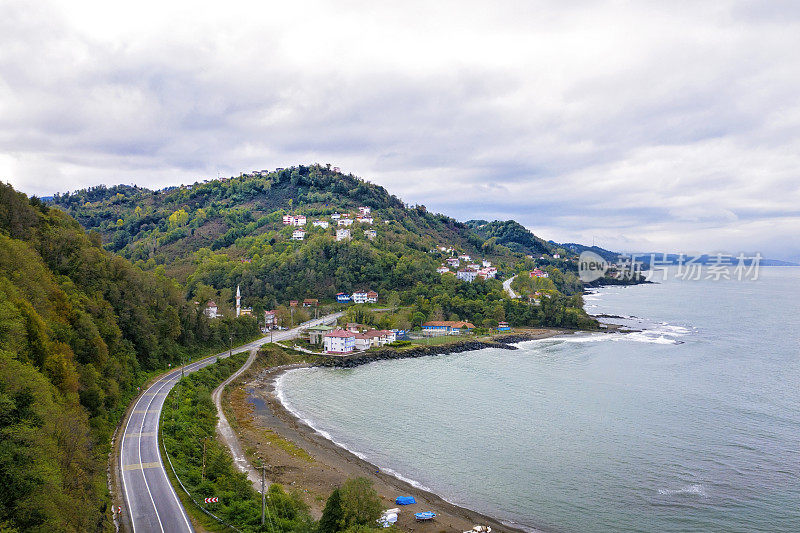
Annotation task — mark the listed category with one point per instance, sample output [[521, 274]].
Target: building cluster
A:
[[538, 273], [471, 269], [354, 339], [358, 297], [342, 221]]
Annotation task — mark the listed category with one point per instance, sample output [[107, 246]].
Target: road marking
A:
[[141, 466], [145, 434]]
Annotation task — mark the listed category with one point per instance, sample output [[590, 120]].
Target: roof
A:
[[372, 293], [211, 303], [340, 333], [448, 323]]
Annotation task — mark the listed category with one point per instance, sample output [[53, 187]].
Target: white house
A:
[[467, 274], [321, 223], [370, 233], [453, 261], [487, 273], [486, 263], [336, 216], [299, 220], [345, 222], [339, 341], [360, 297], [464, 257], [473, 266], [363, 210], [298, 235], [362, 341], [442, 269], [211, 309], [342, 234], [365, 219]]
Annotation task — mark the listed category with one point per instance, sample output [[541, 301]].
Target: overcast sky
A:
[[644, 126]]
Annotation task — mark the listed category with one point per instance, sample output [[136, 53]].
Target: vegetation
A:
[[204, 464], [355, 506], [80, 329]]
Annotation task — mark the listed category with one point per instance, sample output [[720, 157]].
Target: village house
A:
[[467, 274], [343, 298], [211, 309], [355, 327], [464, 257], [339, 341], [473, 266], [370, 233], [342, 234], [442, 269], [299, 220], [503, 326], [336, 216], [270, 320], [293, 303], [486, 263], [556, 256], [487, 273], [453, 261], [536, 273], [362, 342], [310, 302], [320, 224], [363, 210], [446, 327], [360, 297], [372, 297], [345, 222], [298, 235], [364, 219], [316, 334]]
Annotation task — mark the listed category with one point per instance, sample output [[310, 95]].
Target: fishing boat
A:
[[427, 515]]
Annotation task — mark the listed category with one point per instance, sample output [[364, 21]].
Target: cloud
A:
[[651, 125]]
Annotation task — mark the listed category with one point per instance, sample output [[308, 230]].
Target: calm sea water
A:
[[691, 425]]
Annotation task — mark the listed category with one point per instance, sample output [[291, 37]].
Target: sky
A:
[[648, 126]]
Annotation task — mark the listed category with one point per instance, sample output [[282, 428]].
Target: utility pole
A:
[[263, 495]]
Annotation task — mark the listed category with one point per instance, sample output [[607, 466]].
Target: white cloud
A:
[[649, 124]]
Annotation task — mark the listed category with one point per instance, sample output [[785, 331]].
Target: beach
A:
[[302, 459]]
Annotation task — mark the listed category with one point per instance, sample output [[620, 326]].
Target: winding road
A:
[[508, 289], [151, 503]]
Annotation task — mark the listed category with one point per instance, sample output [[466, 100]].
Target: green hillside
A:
[[80, 328], [215, 235]]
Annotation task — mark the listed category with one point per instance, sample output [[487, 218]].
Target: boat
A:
[[427, 515]]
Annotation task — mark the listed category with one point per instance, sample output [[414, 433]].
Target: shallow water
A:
[[692, 424]]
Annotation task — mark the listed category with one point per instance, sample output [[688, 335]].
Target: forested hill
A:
[[514, 236], [80, 328], [228, 232]]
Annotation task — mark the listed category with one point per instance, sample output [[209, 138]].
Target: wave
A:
[[279, 393], [689, 490]]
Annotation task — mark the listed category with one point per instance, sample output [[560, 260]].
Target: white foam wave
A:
[[279, 393], [692, 490]]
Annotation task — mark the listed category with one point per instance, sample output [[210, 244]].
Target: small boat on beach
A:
[[427, 515]]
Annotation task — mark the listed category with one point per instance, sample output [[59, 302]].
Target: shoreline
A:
[[332, 463]]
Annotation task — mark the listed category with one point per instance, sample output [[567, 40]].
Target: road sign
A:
[[212, 500]]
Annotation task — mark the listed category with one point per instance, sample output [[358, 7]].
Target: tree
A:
[[417, 319], [360, 503], [332, 515]]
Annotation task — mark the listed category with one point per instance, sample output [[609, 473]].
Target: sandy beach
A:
[[301, 459]]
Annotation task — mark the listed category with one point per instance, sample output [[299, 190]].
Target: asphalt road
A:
[[508, 289], [151, 503]]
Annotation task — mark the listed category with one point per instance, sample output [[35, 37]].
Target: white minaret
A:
[[238, 301]]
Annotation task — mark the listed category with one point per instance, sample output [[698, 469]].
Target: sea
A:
[[691, 423]]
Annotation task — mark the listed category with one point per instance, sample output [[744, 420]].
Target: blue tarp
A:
[[405, 500]]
